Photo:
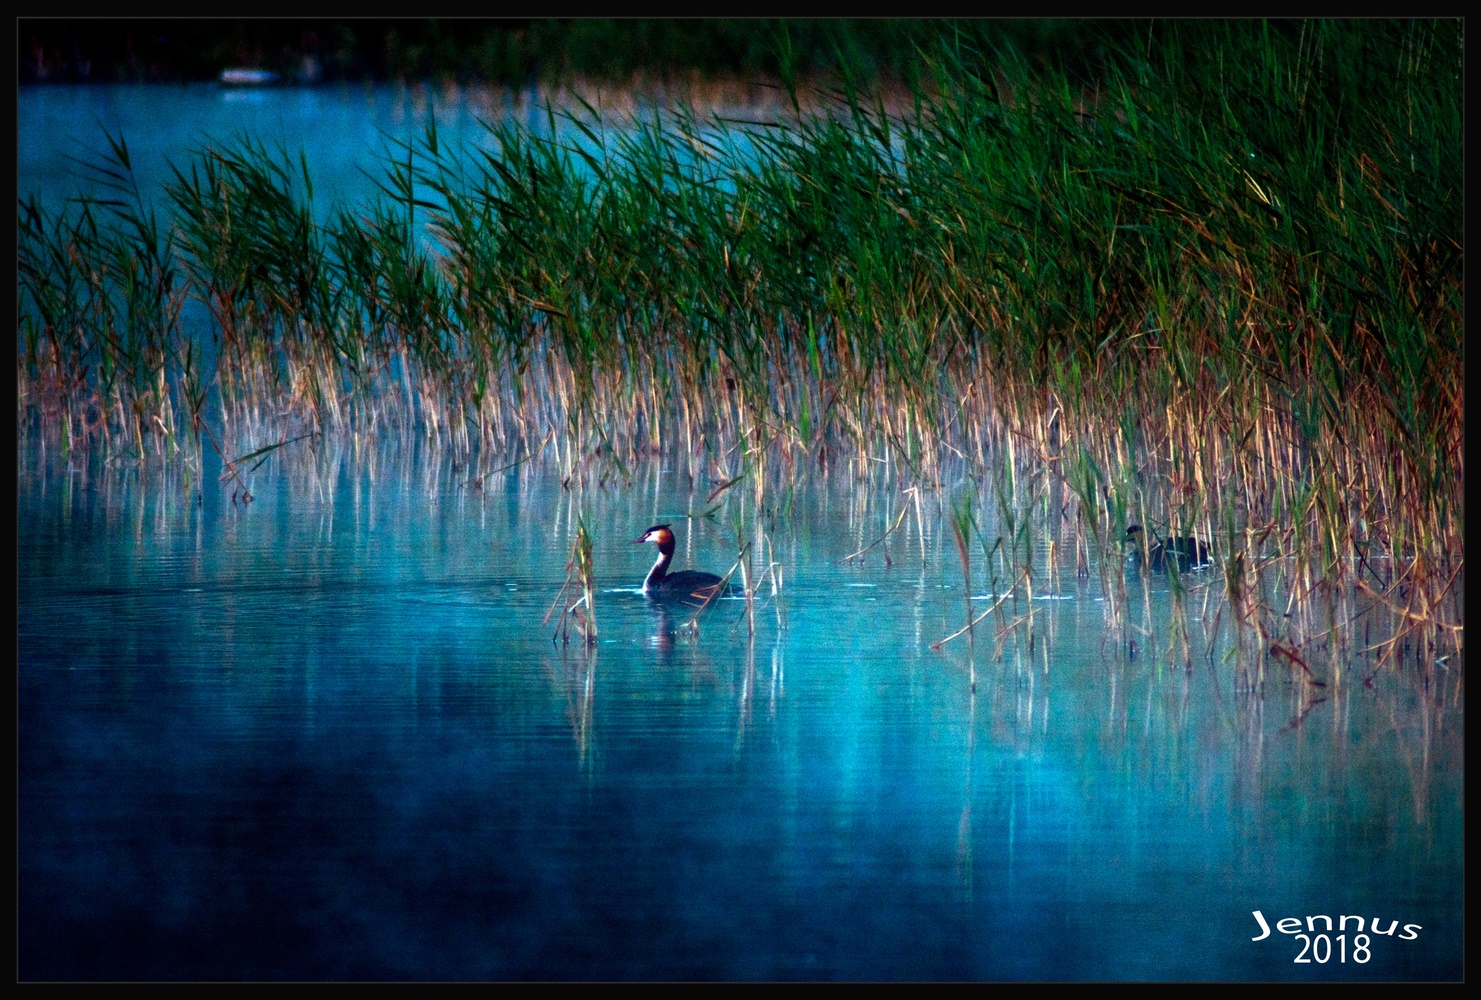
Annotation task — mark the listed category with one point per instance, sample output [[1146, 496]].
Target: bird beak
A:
[[640, 541]]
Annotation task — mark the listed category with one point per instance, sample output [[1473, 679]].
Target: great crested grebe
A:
[[662, 583], [1183, 553]]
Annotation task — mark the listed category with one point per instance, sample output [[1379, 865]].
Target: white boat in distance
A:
[[242, 77]]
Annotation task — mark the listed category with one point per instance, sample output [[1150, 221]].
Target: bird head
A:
[[659, 534]]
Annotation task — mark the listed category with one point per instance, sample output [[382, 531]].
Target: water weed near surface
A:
[[1215, 289]]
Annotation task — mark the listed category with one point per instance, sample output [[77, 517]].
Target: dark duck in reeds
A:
[[685, 583], [1176, 552]]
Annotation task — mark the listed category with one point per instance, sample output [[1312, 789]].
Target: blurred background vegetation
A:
[[519, 52]]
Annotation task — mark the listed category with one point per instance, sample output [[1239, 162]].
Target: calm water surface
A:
[[327, 736], [345, 133]]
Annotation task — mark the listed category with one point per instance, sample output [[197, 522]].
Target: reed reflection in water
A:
[[325, 735]]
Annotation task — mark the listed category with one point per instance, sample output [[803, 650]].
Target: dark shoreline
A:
[[519, 52]]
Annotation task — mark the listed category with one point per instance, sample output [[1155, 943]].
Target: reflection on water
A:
[[327, 736]]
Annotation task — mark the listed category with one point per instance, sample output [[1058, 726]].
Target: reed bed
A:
[[1217, 289]]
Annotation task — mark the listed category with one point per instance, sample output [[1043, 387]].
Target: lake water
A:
[[344, 132], [327, 735]]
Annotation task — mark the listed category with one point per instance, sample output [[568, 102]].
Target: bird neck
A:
[[661, 567]]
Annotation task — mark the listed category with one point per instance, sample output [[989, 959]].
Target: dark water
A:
[[327, 736]]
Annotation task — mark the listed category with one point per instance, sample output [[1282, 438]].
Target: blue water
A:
[[327, 736], [345, 134]]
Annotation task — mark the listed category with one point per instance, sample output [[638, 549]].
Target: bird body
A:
[[1178, 552], [685, 583]]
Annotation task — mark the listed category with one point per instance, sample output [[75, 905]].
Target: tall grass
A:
[[1216, 288]]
